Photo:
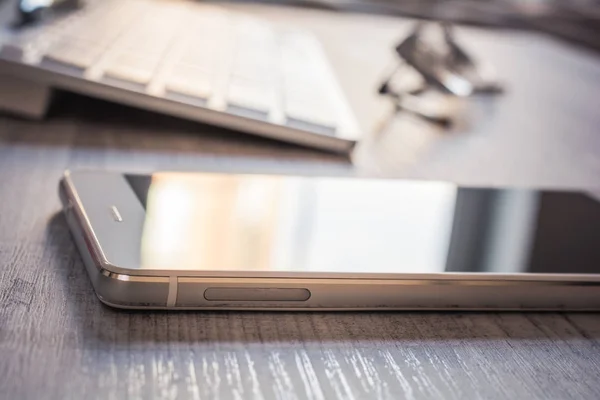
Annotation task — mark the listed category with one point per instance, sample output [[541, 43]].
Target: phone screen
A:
[[303, 224]]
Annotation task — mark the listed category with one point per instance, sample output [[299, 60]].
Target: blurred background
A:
[[396, 87]]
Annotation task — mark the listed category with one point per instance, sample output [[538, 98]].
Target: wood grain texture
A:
[[58, 342]]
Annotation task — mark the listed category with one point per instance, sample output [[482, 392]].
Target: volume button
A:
[[256, 294]]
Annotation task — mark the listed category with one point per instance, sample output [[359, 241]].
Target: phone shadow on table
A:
[[100, 324]]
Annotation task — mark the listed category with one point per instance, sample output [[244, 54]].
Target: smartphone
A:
[[173, 240]]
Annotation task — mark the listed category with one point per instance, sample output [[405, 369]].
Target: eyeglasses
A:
[[432, 52]]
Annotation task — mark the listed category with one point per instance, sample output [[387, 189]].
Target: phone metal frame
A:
[[104, 244]]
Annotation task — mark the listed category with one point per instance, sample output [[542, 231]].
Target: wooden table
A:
[[58, 341]]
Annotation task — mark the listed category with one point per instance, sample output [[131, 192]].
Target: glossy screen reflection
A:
[[273, 223]]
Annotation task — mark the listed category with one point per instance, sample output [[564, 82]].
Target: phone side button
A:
[[256, 294]]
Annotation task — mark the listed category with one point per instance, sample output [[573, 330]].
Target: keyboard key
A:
[[190, 81], [12, 51], [247, 112], [311, 127], [77, 54], [250, 95], [139, 52], [26, 45], [308, 99], [201, 55], [133, 68], [311, 108], [259, 66]]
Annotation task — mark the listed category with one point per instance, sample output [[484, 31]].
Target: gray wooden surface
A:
[[58, 341]]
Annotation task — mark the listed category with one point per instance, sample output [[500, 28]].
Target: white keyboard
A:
[[191, 60]]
